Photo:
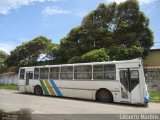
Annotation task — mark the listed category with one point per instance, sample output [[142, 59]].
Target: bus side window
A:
[[44, 73], [109, 72], [30, 75], [36, 73], [67, 72], [98, 72], [54, 73], [83, 72], [22, 72]]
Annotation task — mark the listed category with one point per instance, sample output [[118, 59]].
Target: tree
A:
[[113, 27], [75, 59], [120, 52], [29, 52], [97, 55], [3, 57]]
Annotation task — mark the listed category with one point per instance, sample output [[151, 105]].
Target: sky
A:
[[23, 20]]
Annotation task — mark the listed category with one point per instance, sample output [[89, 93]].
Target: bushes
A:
[[76, 59], [155, 96], [123, 52], [97, 55]]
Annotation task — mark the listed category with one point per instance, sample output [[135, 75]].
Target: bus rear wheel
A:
[[38, 90], [104, 95]]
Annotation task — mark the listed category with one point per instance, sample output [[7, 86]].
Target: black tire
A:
[[104, 95], [38, 90]]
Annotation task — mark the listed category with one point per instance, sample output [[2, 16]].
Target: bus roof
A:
[[138, 60]]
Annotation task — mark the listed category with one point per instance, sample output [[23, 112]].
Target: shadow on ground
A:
[[25, 114], [22, 114], [85, 100]]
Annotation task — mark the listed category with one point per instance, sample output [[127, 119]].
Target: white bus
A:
[[114, 81]]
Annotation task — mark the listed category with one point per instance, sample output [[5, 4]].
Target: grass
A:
[[12, 87], [155, 96]]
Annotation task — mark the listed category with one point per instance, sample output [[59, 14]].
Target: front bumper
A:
[[147, 98]]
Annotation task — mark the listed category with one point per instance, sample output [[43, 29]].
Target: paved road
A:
[[12, 100]]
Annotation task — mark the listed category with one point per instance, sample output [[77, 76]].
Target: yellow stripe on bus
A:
[[49, 87]]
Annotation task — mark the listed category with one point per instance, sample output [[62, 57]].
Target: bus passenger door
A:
[[130, 87], [29, 75], [124, 85]]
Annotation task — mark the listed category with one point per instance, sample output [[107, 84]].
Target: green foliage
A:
[[25, 63], [155, 96], [122, 27], [97, 55], [3, 57], [122, 52], [52, 51], [110, 32], [75, 59], [12, 87], [28, 53]]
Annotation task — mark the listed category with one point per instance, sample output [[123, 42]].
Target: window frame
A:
[[37, 73], [82, 72], [40, 77], [22, 74], [66, 72], [104, 72], [58, 73]]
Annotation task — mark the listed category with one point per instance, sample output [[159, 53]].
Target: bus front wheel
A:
[[38, 90], [104, 95]]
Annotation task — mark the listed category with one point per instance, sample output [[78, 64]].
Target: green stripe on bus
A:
[[44, 87]]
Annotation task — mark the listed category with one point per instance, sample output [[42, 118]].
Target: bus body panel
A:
[[136, 96], [87, 89], [79, 89], [66, 87]]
